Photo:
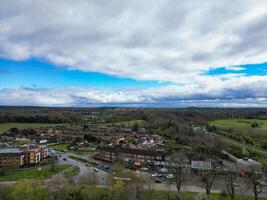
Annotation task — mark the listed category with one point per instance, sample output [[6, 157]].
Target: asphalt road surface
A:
[[101, 176]]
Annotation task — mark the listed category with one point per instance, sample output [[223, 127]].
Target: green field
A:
[[6, 126], [128, 123], [239, 123], [241, 131], [46, 172]]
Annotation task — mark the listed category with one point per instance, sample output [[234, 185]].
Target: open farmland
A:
[[6, 126], [249, 131], [240, 123]]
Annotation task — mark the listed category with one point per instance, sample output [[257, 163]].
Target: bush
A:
[[264, 145]]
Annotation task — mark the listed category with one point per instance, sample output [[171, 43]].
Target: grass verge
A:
[[45, 172]]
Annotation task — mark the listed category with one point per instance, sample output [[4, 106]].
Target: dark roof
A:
[[109, 149], [141, 152], [133, 151], [10, 152]]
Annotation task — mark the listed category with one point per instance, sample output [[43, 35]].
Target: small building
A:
[[246, 165], [11, 157], [201, 165]]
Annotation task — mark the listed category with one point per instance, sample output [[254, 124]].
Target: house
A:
[[142, 155], [111, 154], [107, 154], [11, 157]]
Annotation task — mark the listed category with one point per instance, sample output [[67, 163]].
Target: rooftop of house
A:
[[10, 152], [248, 162], [32, 147], [133, 151]]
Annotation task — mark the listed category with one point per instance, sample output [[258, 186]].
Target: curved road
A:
[[102, 176]]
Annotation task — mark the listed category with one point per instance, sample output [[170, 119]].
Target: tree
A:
[[118, 191], [254, 125], [229, 180], [255, 182], [135, 127], [176, 168], [74, 193], [207, 177], [28, 190]]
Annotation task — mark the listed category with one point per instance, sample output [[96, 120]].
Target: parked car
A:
[[158, 181], [106, 167], [154, 175], [169, 176], [144, 169], [161, 175], [96, 170], [163, 170]]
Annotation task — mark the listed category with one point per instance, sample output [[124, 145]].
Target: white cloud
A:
[[235, 92], [172, 40], [148, 40]]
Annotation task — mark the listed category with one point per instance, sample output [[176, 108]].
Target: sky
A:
[[153, 53]]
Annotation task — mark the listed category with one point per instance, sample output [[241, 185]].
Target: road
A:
[[101, 176], [193, 183]]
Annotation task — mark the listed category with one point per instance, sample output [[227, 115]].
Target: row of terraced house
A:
[[24, 155]]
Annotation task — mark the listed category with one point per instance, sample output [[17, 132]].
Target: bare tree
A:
[[255, 180], [230, 183], [207, 177], [176, 167]]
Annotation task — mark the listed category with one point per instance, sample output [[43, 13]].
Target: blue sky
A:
[[34, 73], [247, 70], [133, 53]]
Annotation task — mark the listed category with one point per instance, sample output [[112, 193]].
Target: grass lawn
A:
[[64, 148], [6, 126], [60, 147], [46, 172], [160, 195], [72, 171]]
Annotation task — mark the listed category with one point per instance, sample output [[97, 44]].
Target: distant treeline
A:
[[155, 117], [31, 119]]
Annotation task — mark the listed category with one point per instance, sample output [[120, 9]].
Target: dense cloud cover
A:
[[173, 40]]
